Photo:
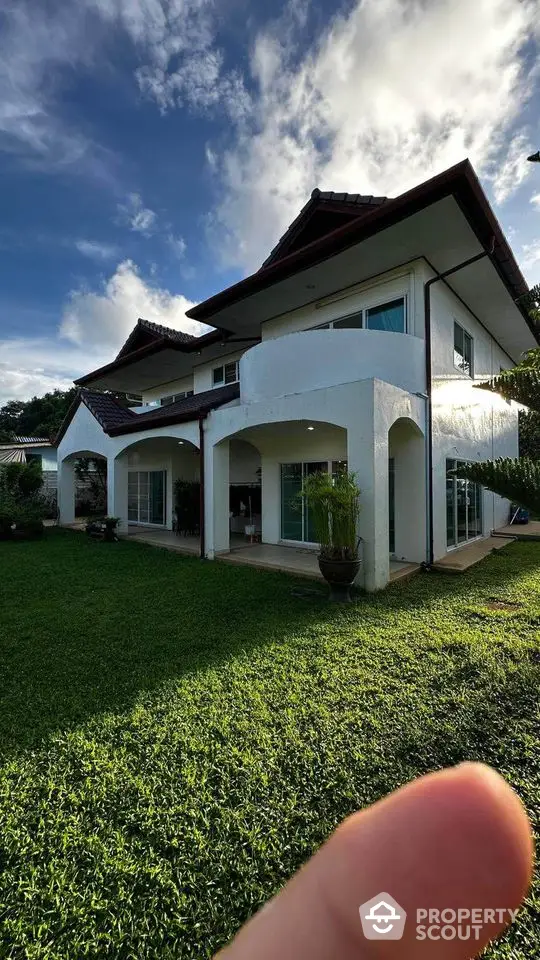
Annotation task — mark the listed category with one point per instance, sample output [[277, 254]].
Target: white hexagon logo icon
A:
[[382, 918]]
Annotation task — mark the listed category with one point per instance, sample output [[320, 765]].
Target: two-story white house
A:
[[359, 341]]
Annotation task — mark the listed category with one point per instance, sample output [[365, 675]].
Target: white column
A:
[[216, 499], [368, 457], [271, 500], [117, 490], [66, 491]]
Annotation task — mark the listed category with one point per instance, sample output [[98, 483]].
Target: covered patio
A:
[[299, 561]]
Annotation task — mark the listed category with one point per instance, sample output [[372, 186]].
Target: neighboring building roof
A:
[[117, 420], [459, 181], [323, 213], [40, 440], [12, 456], [146, 332]]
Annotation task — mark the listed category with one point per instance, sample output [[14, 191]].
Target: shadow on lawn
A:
[[87, 626]]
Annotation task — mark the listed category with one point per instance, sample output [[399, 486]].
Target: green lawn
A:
[[178, 737]]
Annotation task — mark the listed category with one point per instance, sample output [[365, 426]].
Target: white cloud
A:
[[32, 367], [514, 168], [535, 200], [139, 218], [96, 250], [39, 47], [531, 254], [94, 326], [177, 245], [392, 93], [106, 318]]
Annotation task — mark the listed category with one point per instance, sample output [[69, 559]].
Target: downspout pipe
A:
[[202, 528], [429, 388]]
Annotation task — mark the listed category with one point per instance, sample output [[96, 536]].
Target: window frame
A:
[[465, 335], [175, 397], [223, 366], [363, 313], [478, 490]]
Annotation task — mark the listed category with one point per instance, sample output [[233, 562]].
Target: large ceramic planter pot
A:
[[340, 575]]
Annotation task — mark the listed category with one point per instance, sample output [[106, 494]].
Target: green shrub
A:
[[334, 502], [22, 508]]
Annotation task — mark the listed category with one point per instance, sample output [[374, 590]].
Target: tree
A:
[[38, 417], [91, 474], [517, 479]]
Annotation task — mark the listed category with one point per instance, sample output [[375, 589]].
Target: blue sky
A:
[[152, 151]]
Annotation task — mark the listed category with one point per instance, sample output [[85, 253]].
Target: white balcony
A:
[[313, 359]]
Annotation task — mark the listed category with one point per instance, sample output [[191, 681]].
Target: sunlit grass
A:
[[179, 736]]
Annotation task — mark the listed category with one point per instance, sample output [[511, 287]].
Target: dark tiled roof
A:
[[117, 420], [177, 335], [360, 199], [191, 408], [352, 204], [139, 336], [107, 411]]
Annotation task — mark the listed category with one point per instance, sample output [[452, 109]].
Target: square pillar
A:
[[216, 501], [117, 490], [66, 491], [271, 500], [368, 459]]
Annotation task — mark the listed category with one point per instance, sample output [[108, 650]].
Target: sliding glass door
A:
[[296, 517], [463, 507], [146, 496]]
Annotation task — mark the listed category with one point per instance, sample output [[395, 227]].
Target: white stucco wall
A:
[[390, 286], [351, 421], [167, 389], [468, 424], [203, 373], [47, 454], [244, 463], [312, 359]]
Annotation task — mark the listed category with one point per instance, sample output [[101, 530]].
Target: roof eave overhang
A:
[[460, 182], [149, 350]]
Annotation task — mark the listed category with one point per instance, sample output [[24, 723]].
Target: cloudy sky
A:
[[152, 151]]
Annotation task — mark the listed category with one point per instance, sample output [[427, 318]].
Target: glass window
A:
[[146, 496], [166, 401], [352, 322], [291, 507], [34, 458], [231, 372], [227, 373], [463, 350], [388, 316], [463, 506]]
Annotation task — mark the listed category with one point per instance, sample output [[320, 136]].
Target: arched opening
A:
[[82, 486], [271, 460], [154, 479], [245, 492], [406, 492]]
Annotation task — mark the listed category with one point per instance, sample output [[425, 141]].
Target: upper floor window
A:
[[226, 373], [463, 350], [391, 316], [166, 401], [34, 458]]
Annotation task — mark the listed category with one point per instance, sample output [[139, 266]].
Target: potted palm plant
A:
[[334, 505]]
